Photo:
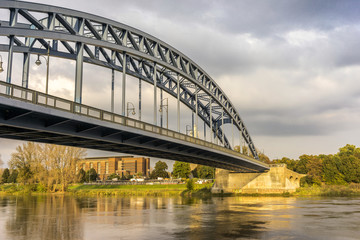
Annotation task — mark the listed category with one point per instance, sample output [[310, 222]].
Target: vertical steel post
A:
[[204, 131], [232, 131], [123, 88], [192, 123], [222, 127], [12, 23], [10, 61], [155, 94], [211, 122], [79, 71], [25, 73], [196, 112], [113, 59], [139, 99], [178, 103], [79, 64], [161, 108]]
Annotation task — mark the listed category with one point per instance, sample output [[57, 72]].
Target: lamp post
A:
[[1, 63], [166, 106], [38, 63], [130, 107]]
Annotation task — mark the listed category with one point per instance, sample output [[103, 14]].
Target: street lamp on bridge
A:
[[38, 63], [130, 107], [166, 106]]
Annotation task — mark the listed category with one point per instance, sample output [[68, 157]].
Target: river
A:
[[105, 218]]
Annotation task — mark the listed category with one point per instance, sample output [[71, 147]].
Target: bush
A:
[[190, 184]]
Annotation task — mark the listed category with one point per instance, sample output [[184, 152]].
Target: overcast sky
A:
[[290, 67]]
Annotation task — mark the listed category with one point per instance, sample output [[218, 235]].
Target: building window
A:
[[106, 168], [83, 167], [98, 168], [91, 165]]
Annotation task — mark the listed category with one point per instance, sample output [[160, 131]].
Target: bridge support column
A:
[[79, 72], [278, 179]]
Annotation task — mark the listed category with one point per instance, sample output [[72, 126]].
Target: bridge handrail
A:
[[39, 98]]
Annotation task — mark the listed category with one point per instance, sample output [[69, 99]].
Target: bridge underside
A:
[[25, 121]]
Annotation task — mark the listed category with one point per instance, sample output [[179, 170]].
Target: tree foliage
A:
[[91, 175], [205, 172], [13, 176], [181, 169], [50, 165], [5, 176], [81, 176], [341, 168], [160, 170]]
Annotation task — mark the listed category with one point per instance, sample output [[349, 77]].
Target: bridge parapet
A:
[[41, 99]]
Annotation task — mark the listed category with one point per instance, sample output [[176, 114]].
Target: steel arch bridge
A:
[[87, 38]]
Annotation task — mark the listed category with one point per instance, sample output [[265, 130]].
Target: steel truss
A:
[[92, 39]]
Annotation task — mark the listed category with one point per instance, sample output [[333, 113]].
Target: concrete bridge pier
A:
[[278, 179]]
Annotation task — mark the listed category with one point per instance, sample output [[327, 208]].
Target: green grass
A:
[[329, 190], [127, 190], [128, 187]]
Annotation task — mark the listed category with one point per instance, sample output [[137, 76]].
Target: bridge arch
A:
[[122, 48]]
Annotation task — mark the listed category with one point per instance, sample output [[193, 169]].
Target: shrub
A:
[[190, 184]]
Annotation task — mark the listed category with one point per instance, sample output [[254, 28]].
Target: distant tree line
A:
[[340, 168]]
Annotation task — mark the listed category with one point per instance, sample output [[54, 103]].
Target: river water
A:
[[104, 218]]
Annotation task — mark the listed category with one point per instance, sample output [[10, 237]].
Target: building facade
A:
[[120, 165]]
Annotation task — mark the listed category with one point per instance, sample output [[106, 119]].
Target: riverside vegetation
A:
[[45, 168]]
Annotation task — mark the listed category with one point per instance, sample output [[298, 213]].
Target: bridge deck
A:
[[33, 116]]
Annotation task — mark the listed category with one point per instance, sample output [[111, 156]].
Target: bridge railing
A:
[[39, 98]]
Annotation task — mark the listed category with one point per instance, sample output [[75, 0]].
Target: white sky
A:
[[290, 67]]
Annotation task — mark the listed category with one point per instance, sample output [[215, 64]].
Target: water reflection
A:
[[42, 217], [67, 217]]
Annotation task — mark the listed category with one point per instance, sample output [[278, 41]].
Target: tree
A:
[[22, 160], [81, 176], [160, 170], [91, 175], [290, 163], [50, 165], [181, 169], [13, 176], [62, 161], [5, 176], [205, 172]]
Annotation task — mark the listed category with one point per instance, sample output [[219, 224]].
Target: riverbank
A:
[[113, 190], [329, 191], [199, 190]]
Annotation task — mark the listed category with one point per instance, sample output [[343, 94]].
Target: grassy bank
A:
[[127, 190], [329, 190], [199, 190]]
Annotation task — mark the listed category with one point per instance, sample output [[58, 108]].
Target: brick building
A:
[[121, 165]]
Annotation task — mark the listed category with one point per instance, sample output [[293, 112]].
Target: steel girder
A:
[[104, 42]]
